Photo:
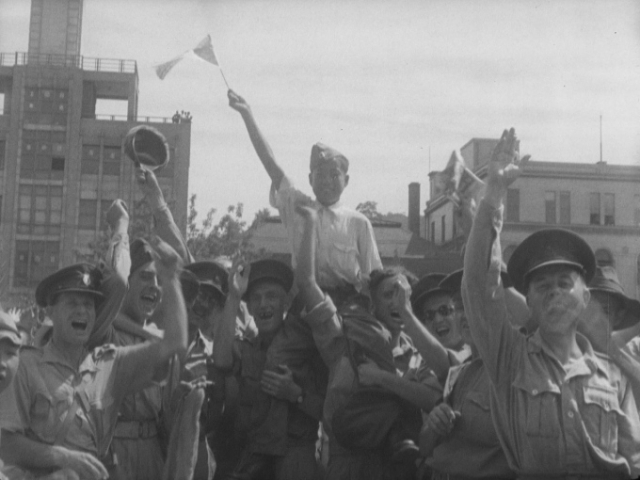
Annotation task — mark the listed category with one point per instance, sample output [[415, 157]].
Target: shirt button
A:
[[535, 391], [570, 414]]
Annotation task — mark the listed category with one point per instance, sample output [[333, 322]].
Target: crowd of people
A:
[[152, 365]]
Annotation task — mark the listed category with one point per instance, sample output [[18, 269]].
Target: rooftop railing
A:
[[139, 118], [72, 61]]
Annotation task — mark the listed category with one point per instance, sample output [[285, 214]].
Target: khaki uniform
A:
[[580, 420]]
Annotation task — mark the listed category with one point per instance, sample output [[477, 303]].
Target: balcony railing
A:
[[125, 118], [73, 61]]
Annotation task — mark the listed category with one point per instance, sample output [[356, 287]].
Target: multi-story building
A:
[[600, 202], [61, 164]]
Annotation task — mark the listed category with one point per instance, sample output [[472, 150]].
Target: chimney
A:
[[414, 208]]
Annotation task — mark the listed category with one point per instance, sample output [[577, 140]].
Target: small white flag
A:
[[204, 50]]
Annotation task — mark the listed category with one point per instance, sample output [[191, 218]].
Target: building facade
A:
[[600, 202], [61, 164]]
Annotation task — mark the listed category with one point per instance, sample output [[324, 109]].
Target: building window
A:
[[609, 209], [637, 211], [550, 207], [433, 232], [90, 162], [443, 224], [104, 208], [111, 163], [57, 163], [39, 209], [513, 205], [88, 214], [3, 145], [594, 209], [565, 207], [604, 258], [34, 261]]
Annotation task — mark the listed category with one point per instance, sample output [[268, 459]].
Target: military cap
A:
[[140, 252], [270, 270], [147, 146], [79, 278], [606, 280], [210, 275], [546, 248], [427, 286], [190, 285], [453, 282], [9, 328], [322, 153]]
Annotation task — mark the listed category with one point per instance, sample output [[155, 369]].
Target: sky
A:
[[395, 85]]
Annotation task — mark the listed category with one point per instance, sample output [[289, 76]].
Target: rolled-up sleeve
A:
[[484, 296], [327, 331]]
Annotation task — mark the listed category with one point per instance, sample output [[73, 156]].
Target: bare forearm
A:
[[428, 441], [224, 333], [263, 149], [167, 230], [174, 318], [306, 266], [434, 355]]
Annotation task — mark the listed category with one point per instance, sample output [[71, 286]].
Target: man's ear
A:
[[311, 179], [586, 295], [346, 180]]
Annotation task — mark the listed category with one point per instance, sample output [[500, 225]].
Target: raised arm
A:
[[164, 225], [115, 272], [306, 266], [225, 331], [260, 144]]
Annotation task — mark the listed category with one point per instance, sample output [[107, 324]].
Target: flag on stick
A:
[[203, 50]]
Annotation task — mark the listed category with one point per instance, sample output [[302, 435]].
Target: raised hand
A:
[[442, 419], [504, 167], [402, 294], [239, 277], [238, 103], [147, 181], [117, 213], [84, 464]]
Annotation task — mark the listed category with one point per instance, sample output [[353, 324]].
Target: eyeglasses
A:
[[442, 310]]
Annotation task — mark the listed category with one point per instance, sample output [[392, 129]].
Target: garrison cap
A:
[[140, 252], [190, 286], [546, 248], [78, 278], [210, 275], [270, 270], [321, 153], [9, 328], [606, 280], [428, 285], [147, 146]]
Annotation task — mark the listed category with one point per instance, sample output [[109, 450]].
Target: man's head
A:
[[434, 307], [329, 174], [552, 267], [144, 294], [267, 294], [609, 309], [208, 307], [69, 296], [382, 286], [9, 346]]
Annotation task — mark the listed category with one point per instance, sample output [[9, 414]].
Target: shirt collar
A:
[[52, 355]]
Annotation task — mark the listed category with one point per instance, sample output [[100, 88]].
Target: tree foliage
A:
[[369, 209]]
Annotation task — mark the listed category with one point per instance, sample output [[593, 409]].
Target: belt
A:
[[586, 476], [445, 476], [146, 429]]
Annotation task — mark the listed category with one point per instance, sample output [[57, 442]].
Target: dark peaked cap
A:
[[549, 247], [271, 270], [428, 285], [210, 274], [79, 278]]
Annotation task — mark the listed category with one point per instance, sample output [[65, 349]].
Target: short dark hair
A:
[[378, 276]]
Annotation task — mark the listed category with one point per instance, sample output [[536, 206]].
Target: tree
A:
[[229, 237], [369, 209]]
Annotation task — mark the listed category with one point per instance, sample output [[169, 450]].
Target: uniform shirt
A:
[[346, 250], [578, 419], [472, 449], [271, 424], [45, 387]]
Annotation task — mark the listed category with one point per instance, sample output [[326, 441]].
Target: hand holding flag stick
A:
[[204, 50]]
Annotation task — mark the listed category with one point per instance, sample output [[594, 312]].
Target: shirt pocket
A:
[[540, 405], [42, 417], [600, 417], [478, 401]]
